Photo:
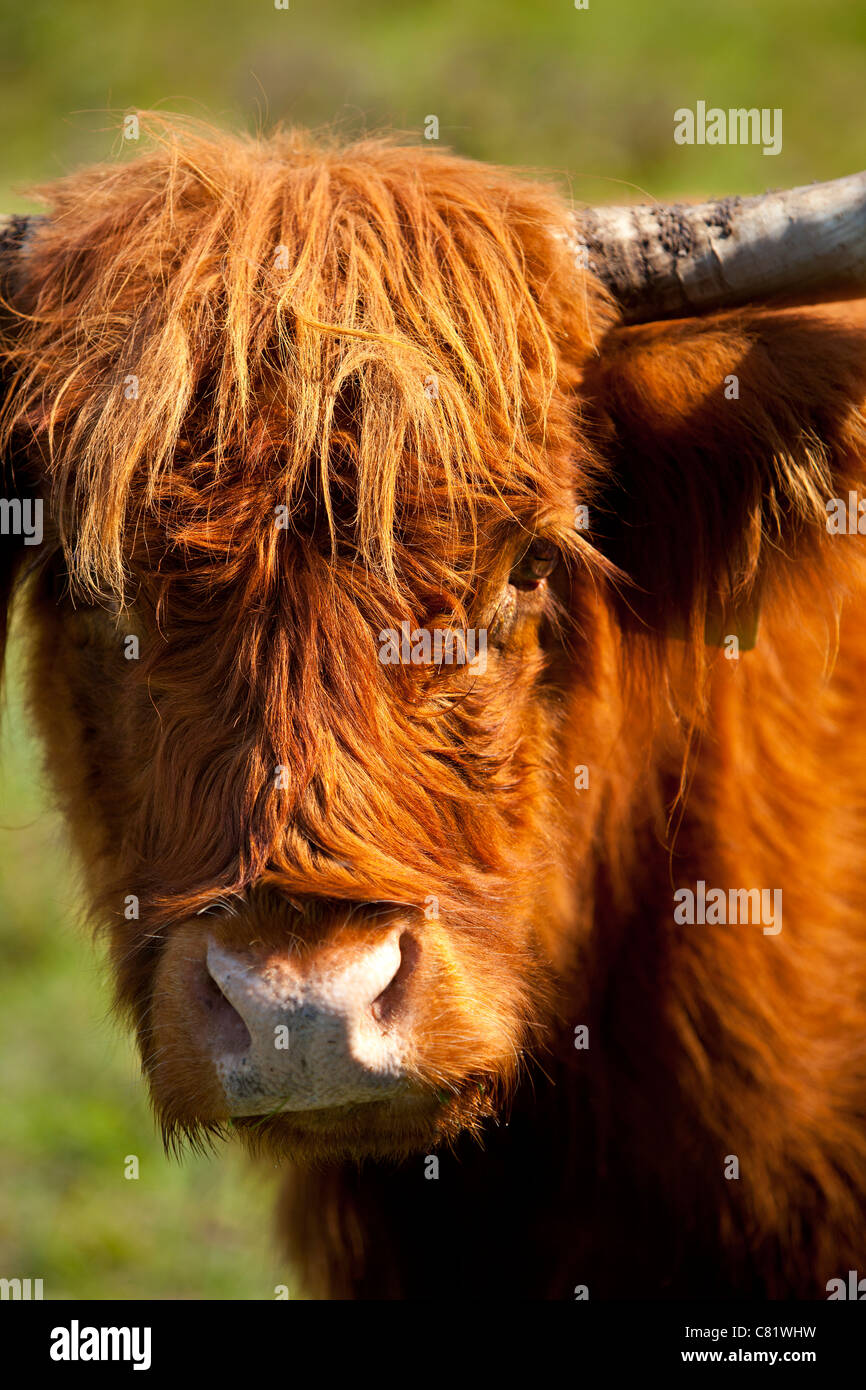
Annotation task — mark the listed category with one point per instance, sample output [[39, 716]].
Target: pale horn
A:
[[667, 261]]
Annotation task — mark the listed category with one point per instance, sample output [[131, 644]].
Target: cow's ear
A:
[[18, 531], [723, 440], [13, 232]]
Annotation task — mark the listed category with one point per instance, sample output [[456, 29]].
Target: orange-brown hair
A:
[[391, 348]]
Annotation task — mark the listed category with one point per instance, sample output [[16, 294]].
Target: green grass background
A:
[[74, 1107], [587, 95]]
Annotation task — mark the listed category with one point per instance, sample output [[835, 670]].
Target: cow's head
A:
[[360, 507]]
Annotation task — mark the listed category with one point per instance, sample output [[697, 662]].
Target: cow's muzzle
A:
[[289, 1032]]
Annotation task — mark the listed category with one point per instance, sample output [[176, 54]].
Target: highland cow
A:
[[281, 397]]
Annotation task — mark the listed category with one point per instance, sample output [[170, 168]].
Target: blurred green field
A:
[[588, 95], [73, 1104]]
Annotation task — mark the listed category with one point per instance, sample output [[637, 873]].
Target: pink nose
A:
[[308, 1032]]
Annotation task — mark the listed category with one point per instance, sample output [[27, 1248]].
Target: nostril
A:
[[227, 1031], [343, 1003], [388, 1005]]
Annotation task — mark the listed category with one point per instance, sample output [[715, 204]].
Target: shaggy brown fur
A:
[[394, 345]]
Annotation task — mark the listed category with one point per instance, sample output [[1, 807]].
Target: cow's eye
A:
[[534, 565]]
